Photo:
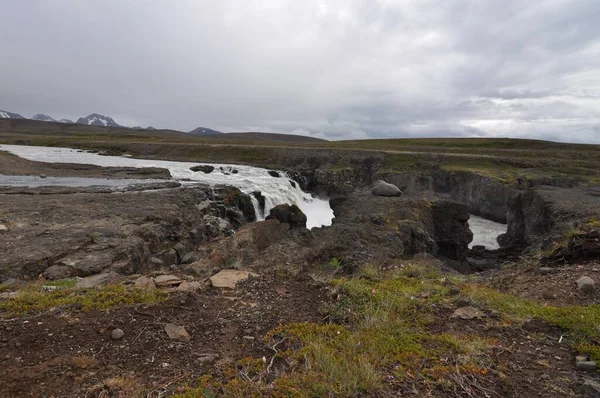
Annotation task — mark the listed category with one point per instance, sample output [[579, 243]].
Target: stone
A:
[[156, 262], [144, 283], [274, 173], [545, 270], [169, 257], [188, 258], [3, 227], [468, 313], [206, 169], [586, 285], [94, 281], [206, 358], [86, 264], [581, 358], [229, 278], [167, 280], [586, 366], [49, 288], [54, 272], [176, 332], [591, 388], [287, 214], [382, 188], [12, 282], [117, 334], [189, 286], [180, 249]]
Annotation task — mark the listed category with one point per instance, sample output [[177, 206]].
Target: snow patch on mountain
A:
[[43, 118], [96, 119]]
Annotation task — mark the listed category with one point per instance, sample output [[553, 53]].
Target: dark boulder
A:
[[287, 214], [203, 168], [274, 173], [232, 197]]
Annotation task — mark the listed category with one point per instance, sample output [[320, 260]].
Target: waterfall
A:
[[276, 190]]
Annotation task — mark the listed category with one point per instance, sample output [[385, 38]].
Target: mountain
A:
[[150, 128], [43, 118], [201, 131], [98, 120], [9, 115], [66, 121]]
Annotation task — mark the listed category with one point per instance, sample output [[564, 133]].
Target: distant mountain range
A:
[[95, 119]]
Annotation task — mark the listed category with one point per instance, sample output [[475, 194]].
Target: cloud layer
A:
[[330, 68]]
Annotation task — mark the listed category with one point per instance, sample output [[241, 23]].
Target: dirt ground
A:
[[66, 353]]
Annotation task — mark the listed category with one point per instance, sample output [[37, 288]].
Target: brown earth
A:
[[67, 353]]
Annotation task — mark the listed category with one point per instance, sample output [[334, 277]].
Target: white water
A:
[[276, 190], [485, 232]]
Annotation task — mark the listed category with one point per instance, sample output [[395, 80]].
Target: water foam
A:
[[276, 190]]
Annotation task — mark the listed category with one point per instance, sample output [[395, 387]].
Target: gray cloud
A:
[[330, 68]]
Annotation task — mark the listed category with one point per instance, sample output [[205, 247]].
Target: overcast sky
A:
[[331, 68]]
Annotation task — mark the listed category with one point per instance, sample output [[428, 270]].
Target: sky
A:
[[335, 69]]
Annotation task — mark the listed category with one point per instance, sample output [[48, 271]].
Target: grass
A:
[[580, 321], [30, 299], [381, 338], [386, 335]]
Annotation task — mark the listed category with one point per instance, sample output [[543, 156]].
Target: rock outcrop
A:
[[287, 214], [451, 229], [206, 169]]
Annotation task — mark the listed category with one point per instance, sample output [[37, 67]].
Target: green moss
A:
[[581, 321], [33, 300], [385, 339]]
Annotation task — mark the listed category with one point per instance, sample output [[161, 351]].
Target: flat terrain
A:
[[355, 309], [505, 159]]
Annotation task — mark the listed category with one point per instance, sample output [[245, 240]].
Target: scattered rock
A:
[[58, 272], [249, 338], [156, 262], [49, 288], [189, 286], [206, 169], [382, 188], [188, 258], [207, 358], [229, 278], [586, 285], [3, 227], [591, 388], [167, 280], [97, 280], [586, 366], [176, 332], [144, 283], [274, 173], [581, 358], [117, 334], [468, 313], [12, 282], [545, 270]]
